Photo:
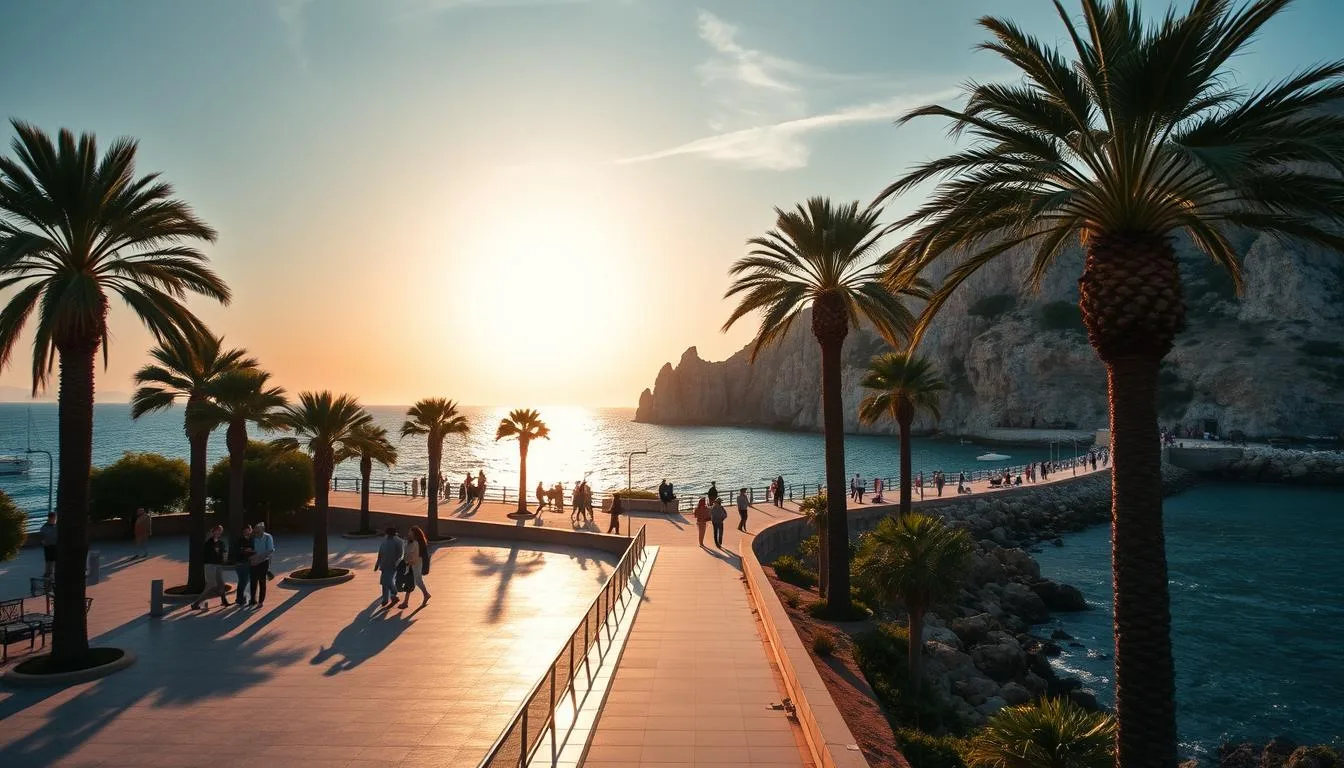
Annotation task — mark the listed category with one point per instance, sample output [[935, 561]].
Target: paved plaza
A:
[[318, 677]]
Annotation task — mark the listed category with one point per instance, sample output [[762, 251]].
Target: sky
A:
[[505, 202]]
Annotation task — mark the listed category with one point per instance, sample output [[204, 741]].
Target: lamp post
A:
[[629, 467]]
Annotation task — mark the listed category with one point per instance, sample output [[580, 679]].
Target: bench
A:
[[15, 625]]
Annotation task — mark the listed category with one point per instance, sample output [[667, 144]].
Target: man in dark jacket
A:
[[213, 555]]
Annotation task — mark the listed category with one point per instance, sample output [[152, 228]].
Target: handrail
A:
[[519, 740]]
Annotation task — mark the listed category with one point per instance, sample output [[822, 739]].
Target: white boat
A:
[[14, 465], [992, 457]]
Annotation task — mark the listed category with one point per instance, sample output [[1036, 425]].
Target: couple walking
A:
[[713, 514], [402, 565], [251, 558]]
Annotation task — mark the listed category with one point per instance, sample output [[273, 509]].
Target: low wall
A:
[[1203, 459], [112, 530], [342, 519]]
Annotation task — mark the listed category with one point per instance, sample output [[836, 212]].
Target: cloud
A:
[[764, 118]]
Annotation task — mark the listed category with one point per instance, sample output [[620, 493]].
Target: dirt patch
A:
[[852, 695]]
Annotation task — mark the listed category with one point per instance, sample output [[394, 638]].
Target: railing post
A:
[[554, 753], [522, 754]]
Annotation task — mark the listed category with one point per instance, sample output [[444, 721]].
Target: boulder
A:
[[1035, 683], [1313, 757], [1059, 597], [1277, 752], [1000, 657], [1015, 693], [992, 705], [1238, 756], [975, 690], [1024, 602], [942, 635], [974, 629], [1060, 634], [1085, 699]]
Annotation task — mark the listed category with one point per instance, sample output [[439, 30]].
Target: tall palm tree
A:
[[372, 444], [1133, 133], [916, 560], [187, 369], [526, 425], [1051, 733], [76, 226], [237, 398], [329, 426], [813, 509], [902, 384], [821, 255], [435, 418]]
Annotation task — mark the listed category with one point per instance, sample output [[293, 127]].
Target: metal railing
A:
[[535, 717]]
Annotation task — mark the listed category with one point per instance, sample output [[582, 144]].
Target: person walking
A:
[[701, 518], [616, 511], [143, 528], [859, 488], [242, 563], [717, 514], [263, 546], [213, 551], [779, 491], [742, 505], [480, 488], [389, 555], [713, 492], [541, 497], [938, 482], [48, 535], [417, 562]]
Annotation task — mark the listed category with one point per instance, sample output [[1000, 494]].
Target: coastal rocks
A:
[[1015, 693], [1000, 657], [1275, 465], [1061, 598], [1026, 602], [1278, 753]]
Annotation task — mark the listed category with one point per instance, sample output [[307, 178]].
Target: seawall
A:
[[1261, 464]]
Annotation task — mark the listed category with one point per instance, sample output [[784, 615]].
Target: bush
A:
[[149, 480], [1062, 316], [820, 609], [991, 307], [1052, 732], [13, 528], [809, 548], [823, 644], [277, 483], [924, 750], [882, 656], [791, 570], [792, 600], [636, 493]]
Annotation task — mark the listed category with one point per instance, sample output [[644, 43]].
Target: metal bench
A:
[[14, 626]]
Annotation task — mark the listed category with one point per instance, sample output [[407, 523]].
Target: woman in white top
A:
[[417, 552]]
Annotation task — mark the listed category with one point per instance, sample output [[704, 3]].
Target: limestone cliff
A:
[[1269, 363]]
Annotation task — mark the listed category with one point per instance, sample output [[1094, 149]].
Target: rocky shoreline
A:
[[1277, 465]]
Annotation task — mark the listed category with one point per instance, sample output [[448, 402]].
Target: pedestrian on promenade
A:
[[919, 485], [389, 555], [938, 481], [717, 514], [779, 491], [213, 551], [558, 497], [417, 563], [48, 535], [859, 487], [713, 492], [701, 518], [665, 494], [541, 497], [742, 506], [143, 529], [461, 492], [480, 488], [242, 562], [877, 490], [616, 511], [415, 487], [263, 545]]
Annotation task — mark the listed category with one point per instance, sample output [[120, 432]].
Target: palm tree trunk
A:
[[522, 476], [70, 627], [196, 514], [837, 521], [823, 560], [365, 472], [323, 471], [906, 481], [916, 649], [1144, 672], [435, 456], [236, 439]]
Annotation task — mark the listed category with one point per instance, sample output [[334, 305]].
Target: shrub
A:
[[149, 480], [792, 600], [924, 750], [991, 307], [810, 547], [823, 644], [635, 493], [1052, 732], [820, 609], [277, 483], [791, 570], [1062, 316], [882, 656], [13, 528]]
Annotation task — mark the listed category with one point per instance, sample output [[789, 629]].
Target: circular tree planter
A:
[[442, 540], [36, 672], [360, 535], [179, 594], [300, 578], [521, 515]]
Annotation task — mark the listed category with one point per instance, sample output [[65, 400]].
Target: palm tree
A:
[[1051, 733], [435, 418], [75, 227], [902, 385], [329, 426], [372, 444], [1137, 132], [813, 509], [236, 398], [821, 255], [916, 560], [187, 369], [526, 425]]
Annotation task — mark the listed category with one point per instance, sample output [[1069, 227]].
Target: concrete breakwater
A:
[[1261, 464]]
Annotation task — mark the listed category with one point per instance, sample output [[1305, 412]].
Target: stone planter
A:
[[16, 679], [642, 505], [339, 578]]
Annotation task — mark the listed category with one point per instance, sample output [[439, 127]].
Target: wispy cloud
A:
[[764, 113]]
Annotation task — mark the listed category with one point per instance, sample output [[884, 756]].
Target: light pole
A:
[[629, 467], [1074, 440]]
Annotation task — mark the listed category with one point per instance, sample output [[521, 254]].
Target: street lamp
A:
[[629, 467]]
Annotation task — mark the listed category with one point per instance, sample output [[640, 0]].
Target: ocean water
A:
[[1257, 601]]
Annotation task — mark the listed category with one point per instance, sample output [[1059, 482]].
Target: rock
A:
[[1058, 542], [1238, 756], [1084, 699], [1051, 649], [1014, 694], [942, 635], [974, 629], [1277, 752], [975, 690], [1060, 634], [1059, 597], [992, 705], [1023, 601], [1035, 684], [1000, 657], [1313, 757], [1076, 645]]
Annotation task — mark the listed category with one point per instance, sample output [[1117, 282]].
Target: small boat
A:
[[14, 465], [992, 457]]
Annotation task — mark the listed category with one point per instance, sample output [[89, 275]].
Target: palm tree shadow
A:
[[505, 570], [367, 635]]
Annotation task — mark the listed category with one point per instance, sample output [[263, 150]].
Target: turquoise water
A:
[[1257, 590]]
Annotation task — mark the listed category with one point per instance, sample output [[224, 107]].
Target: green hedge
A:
[[276, 481], [149, 480], [13, 528], [792, 570]]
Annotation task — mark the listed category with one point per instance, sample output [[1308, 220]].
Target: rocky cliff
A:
[[1268, 363]]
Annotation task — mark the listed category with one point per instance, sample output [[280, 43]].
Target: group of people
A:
[[857, 489], [401, 565], [469, 490], [709, 512], [581, 500], [250, 557]]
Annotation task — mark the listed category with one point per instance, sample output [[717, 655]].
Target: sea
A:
[[1256, 577]]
